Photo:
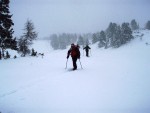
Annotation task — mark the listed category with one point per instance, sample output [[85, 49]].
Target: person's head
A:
[[72, 45]]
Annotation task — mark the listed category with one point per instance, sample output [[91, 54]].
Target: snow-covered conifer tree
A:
[[134, 25], [126, 33], [102, 40], [80, 41], [6, 30], [147, 26]]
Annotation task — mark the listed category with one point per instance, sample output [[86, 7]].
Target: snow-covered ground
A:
[[111, 81]]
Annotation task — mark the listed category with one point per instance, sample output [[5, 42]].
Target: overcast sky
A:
[[76, 16]]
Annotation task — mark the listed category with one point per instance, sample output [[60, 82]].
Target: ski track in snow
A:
[[22, 87]]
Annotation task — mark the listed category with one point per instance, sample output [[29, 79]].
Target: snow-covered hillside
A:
[[111, 81]]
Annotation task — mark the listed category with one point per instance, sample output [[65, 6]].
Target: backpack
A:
[[74, 51]]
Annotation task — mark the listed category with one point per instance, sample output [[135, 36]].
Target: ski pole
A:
[[80, 64], [66, 64], [83, 52], [90, 52]]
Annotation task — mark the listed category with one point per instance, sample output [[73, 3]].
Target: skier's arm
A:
[[69, 51], [89, 47]]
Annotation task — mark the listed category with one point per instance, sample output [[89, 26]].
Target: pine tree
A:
[[26, 39], [23, 45], [118, 35], [80, 41], [29, 33], [54, 41], [148, 25], [62, 42], [95, 37], [111, 34], [102, 40], [126, 33], [134, 25], [6, 23]]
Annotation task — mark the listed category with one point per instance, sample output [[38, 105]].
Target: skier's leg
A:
[[74, 60]]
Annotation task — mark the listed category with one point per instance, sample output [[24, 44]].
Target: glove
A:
[[67, 57]]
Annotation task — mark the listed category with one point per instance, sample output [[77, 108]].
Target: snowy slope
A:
[[111, 81]]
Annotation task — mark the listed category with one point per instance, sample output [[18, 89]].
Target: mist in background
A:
[[76, 16]]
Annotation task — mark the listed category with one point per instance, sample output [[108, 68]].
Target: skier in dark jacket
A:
[[75, 54], [87, 50]]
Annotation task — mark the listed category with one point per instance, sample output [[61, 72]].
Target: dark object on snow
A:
[[87, 50], [42, 54], [7, 55], [147, 43], [75, 54], [33, 52], [15, 57]]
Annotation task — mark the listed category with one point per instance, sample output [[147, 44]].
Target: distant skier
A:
[[87, 50], [75, 54]]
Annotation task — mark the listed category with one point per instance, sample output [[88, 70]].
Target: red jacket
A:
[[74, 52]]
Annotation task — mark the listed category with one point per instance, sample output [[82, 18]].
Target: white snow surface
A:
[[111, 81]]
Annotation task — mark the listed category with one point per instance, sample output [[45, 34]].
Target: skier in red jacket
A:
[[75, 54]]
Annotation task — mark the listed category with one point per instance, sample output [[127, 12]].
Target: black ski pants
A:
[[87, 53], [74, 61]]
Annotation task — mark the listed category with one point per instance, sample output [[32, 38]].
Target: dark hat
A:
[[72, 44]]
